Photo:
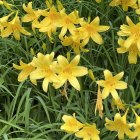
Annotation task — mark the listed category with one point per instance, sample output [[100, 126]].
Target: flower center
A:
[[47, 71], [67, 71], [68, 20], [110, 83], [90, 29]]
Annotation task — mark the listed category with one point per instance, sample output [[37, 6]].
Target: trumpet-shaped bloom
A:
[[14, 27], [3, 21], [132, 31], [68, 22], [125, 4], [50, 23], [111, 83], [88, 132], [32, 15], [71, 125], [69, 71], [133, 51], [120, 125], [45, 68], [92, 30], [26, 69], [76, 45], [137, 126]]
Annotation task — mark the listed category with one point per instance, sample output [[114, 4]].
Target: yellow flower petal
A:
[[132, 57], [62, 61], [115, 94], [45, 84], [105, 93], [74, 82], [37, 74], [107, 74], [75, 61], [97, 38], [129, 21], [6, 32], [119, 76], [16, 34], [71, 124], [79, 71], [129, 41], [121, 85]]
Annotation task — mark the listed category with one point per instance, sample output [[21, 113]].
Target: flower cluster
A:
[[85, 131], [125, 4], [56, 72], [121, 126], [74, 31], [132, 43], [11, 27]]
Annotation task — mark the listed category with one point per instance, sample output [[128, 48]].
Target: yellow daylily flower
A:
[[92, 30], [137, 126], [6, 4], [125, 4], [76, 45], [3, 21], [50, 23], [45, 68], [132, 31], [133, 51], [14, 27], [68, 22], [120, 125], [111, 83], [69, 71], [26, 69], [71, 125], [32, 15], [88, 132]]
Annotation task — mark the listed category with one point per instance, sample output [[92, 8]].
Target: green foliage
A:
[[27, 113]]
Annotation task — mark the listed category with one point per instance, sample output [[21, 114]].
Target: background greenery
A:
[[27, 113]]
